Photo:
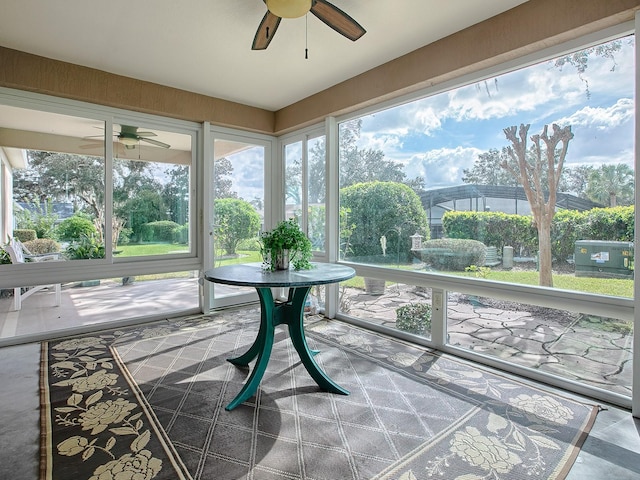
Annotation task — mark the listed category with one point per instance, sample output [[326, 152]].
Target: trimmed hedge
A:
[[499, 229], [452, 254], [41, 246], [160, 231], [24, 234], [495, 229]]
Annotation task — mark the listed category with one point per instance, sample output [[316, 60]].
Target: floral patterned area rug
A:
[[148, 403]]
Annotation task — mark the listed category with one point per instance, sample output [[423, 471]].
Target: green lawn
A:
[[140, 250], [603, 286]]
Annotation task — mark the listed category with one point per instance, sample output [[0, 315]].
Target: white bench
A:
[[18, 253]]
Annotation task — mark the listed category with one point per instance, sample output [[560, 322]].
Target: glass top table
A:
[[272, 314]]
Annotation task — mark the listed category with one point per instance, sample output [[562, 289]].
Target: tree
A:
[[580, 59], [377, 209], [541, 194], [357, 165], [61, 176], [147, 206], [176, 194], [222, 181], [235, 220], [486, 170], [611, 185], [576, 180]]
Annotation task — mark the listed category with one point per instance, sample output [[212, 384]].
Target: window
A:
[[114, 216], [456, 189], [305, 163], [151, 192]]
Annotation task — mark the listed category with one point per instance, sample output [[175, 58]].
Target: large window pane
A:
[[54, 200], [238, 185], [53, 169], [85, 303], [406, 308], [316, 153], [467, 170], [151, 192], [526, 178], [305, 163], [581, 347]]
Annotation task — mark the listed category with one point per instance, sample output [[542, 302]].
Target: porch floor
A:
[[109, 301]]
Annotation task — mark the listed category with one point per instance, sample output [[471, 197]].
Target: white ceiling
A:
[[204, 46]]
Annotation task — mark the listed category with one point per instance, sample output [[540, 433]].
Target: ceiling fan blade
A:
[[154, 142], [146, 134], [92, 143], [337, 19], [266, 31]]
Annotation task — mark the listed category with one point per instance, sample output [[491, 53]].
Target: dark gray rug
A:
[[412, 413]]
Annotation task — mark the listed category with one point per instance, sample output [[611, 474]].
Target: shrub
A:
[[181, 234], [75, 227], [160, 231], [236, 220], [496, 229], [453, 254], [38, 217], [24, 234], [85, 248], [383, 208], [500, 229], [40, 246], [610, 224], [567, 227], [5, 258], [414, 318]]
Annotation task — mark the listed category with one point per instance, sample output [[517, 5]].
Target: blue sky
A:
[[440, 136]]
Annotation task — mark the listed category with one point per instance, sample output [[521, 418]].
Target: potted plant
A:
[[285, 244]]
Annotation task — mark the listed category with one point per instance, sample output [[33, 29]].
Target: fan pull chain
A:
[[306, 36]]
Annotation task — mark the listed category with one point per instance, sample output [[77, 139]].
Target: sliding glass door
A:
[[236, 188]]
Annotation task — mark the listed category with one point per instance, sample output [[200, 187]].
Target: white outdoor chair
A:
[[17, 253]]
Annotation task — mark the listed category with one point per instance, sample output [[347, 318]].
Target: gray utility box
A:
[[598, 258]]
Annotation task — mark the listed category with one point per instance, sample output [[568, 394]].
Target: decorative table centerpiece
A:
[[285, 244]]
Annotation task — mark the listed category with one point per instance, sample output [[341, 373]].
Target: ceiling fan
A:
[[325, 11], [129, 137]]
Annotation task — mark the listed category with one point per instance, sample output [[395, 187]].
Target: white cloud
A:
[[442, 167], [602, 118], [439, 136]]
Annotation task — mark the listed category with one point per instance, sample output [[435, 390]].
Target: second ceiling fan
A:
[[325, 11]]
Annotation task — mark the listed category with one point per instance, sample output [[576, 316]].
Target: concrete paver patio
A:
[[591, 350]]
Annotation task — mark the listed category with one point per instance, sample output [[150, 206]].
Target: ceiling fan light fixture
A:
[[128, 141], [289, 8]]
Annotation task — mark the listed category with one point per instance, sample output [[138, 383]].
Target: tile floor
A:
[[612, 450]]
